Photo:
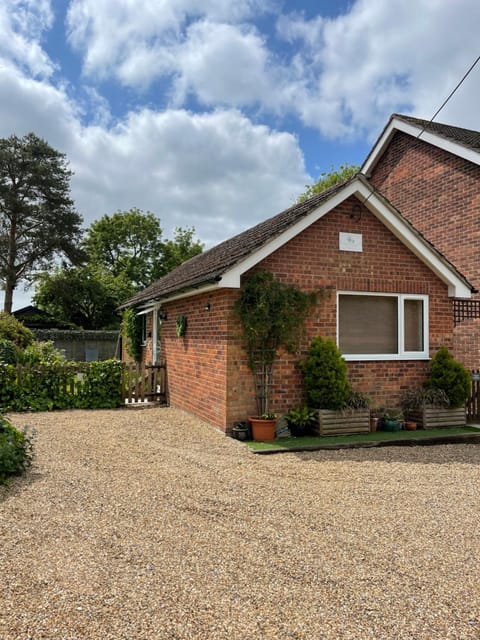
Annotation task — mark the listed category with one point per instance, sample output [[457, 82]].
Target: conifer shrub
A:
[[451, 377], [325, 376]]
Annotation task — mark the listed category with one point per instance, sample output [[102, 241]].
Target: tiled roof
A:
[[209, 266], [466, 137]]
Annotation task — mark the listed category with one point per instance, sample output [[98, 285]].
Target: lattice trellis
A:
[[465, 309]]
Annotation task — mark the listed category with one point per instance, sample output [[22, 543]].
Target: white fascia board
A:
[[232, 277], [457, 287], [150, 306], [426, 136]]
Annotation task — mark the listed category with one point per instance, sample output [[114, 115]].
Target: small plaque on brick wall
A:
[[350, 242]]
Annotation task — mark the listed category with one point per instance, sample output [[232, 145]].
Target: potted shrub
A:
[[300, 420], [272, 315], [391, 420], [340, 409], [441, 403]]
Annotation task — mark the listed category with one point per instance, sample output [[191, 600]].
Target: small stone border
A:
[[472, 438]]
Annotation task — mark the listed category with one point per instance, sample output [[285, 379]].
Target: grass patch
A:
[[309, 442]]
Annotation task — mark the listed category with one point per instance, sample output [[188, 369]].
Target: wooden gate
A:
[[144, 383], [473, 403]]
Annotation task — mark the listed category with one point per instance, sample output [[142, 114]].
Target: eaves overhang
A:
[[416, 131]]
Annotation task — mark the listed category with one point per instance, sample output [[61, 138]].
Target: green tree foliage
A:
[[129, 243], [37, 217], [15, 331], [328, 179], [85, 296], [174, 252], [450, 376], [325, 376]]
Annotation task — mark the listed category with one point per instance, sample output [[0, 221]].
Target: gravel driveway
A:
[[149, 524]]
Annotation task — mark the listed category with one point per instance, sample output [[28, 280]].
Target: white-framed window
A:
[[143, 320], [382, 326]]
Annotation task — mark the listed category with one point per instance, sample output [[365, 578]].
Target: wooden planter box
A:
[[341, 423], [438, 418]]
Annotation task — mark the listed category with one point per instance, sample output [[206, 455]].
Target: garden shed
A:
[[387, 301]]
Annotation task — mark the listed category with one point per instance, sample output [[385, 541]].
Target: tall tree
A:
[[85, 296], [130, 243], [37, 218], [174, 252], [328, 179]]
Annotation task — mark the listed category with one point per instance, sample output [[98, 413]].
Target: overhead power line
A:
[[467, 73]]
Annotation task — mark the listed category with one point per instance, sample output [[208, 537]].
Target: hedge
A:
[[93, 385]]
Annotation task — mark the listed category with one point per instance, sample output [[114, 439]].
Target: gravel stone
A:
[[150, 524]]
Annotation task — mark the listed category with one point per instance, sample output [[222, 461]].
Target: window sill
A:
[[385, 357]]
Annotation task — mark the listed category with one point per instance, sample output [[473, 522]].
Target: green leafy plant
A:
[[325, 376], [181, 325], [132, 331], [14, 330], [300, 420], [300, 416], [272, 315], [48, 386], [41, 352], [8, 351], [449, 376], [392, 413], [269, 415], [357, 400], [16, 450], [414, 399]]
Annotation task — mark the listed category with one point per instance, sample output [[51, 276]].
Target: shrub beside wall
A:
[[96, 385], [16, 450]]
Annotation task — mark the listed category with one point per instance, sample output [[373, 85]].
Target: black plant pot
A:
[[298, 430]]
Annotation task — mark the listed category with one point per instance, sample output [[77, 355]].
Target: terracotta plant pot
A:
[[410, 426], [263, 430]]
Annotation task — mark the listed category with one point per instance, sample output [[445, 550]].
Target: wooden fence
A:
[[473, 403], [144, 383]]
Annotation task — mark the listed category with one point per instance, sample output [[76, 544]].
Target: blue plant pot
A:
[[391, 425]]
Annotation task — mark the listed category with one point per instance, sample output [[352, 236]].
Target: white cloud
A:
[[216, 171], [22, 24], [380, 58], [224, 64], [133, 39], [342, 76]]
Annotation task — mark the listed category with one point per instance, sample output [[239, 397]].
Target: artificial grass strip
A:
[[310, 442]]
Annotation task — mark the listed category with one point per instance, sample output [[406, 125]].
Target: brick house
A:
[[388, 303], [431, 173]]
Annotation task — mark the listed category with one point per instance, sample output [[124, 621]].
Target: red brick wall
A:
[[197, 363], [466, 343], [439, 193]]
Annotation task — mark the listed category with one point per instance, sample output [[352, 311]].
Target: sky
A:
[[216, 113]]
